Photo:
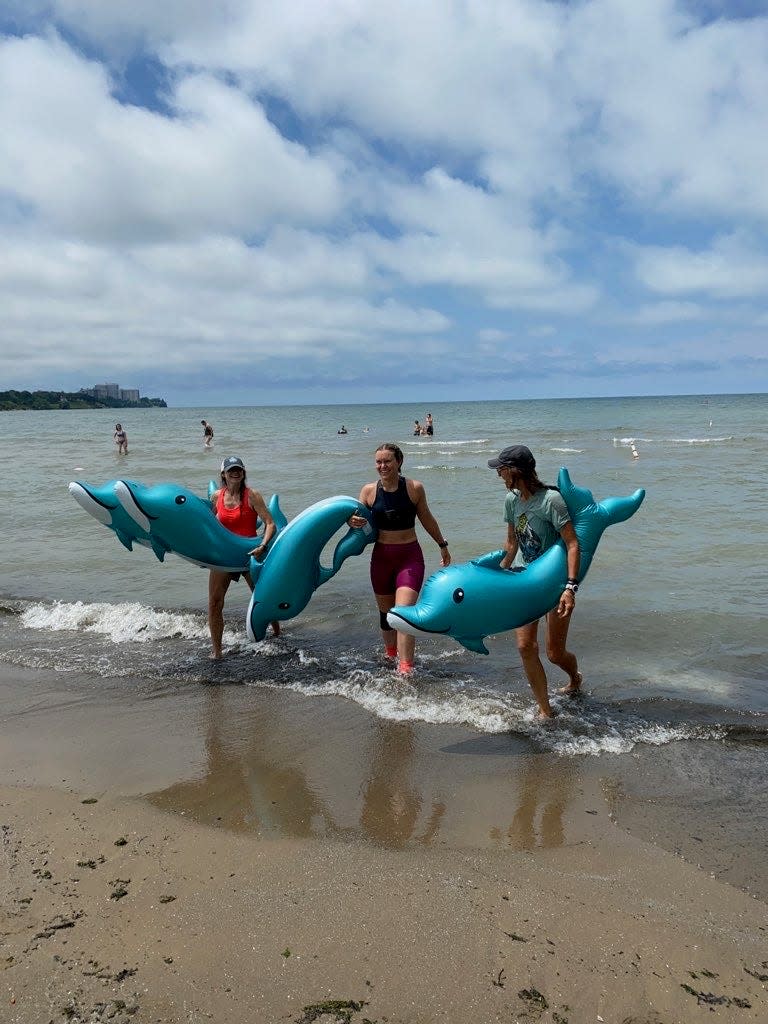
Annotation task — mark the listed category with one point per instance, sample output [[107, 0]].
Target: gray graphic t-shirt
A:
[[537, 522]]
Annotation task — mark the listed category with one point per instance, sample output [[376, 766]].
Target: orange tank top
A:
[[241, 520]]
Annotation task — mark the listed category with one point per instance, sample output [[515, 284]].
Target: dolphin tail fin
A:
[[353, 542], [620, 509]]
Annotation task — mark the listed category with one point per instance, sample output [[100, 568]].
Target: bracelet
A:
[[572, 579], [443, 544], [573, 587]]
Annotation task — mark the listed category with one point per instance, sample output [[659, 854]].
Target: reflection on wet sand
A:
[[543, 798], [275, 767], [241, 789], [391, 801]]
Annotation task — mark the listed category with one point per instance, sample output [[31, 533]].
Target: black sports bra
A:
[[393, 510]]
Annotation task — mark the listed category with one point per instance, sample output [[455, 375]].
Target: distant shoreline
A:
[[12, 401]]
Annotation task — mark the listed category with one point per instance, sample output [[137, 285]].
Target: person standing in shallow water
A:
[[536, 517], [120, 439], [237, 507], [207, 434], [397, 562]]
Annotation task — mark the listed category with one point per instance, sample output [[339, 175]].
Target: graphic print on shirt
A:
[[528, 540]]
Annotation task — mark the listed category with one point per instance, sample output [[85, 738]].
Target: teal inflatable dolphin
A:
[[102, 503], [179, 521], [474, 600], [285, 580]]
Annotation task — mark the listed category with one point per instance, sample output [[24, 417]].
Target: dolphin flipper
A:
[[124, 539]]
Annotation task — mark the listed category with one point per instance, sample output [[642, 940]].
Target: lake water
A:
[[670, 624]]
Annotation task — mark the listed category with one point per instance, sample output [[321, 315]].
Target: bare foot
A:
[[546, 716], [275, 628], [573, 689], [215, 656]]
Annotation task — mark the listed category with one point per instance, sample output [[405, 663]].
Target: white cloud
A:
[[679, 108], [92, 167], [734, 266], [452, 180], [665, 313]]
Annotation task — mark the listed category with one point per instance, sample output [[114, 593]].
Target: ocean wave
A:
[[431, 442], [121, 623], [103, 641], [619, 442]]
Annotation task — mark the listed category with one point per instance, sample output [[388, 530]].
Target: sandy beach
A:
[[179, 904]]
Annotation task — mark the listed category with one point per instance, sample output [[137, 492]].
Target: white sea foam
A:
[[619, 442], [444, 443], [575, 731], [121, 623]]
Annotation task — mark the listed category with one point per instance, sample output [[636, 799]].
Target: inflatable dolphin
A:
[[285, 580], [102, 503], [179, 521], [476, 599]]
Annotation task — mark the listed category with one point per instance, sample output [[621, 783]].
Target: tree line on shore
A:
[[17, 400]]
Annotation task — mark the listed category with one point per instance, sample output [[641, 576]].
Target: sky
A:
[[243, 202]]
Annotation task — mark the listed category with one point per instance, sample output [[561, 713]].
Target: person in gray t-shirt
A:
[[536, 516]]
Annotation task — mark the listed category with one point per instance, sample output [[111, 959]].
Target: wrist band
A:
[[443, 544]]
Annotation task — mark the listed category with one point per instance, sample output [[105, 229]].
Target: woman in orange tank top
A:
[[238, 507]]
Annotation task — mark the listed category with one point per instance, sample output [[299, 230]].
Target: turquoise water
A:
[[670, 622]]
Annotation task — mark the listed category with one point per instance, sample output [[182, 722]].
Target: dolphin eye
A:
[[180, 499], [283, 605], [458, 595]]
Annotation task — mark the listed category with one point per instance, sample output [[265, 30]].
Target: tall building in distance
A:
[[101, 391]]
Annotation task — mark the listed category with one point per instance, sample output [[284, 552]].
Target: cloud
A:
[[92, 167], [577, 189], [733, 266]]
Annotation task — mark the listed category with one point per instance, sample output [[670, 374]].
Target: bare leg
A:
[[406, 643], [384, 602], [528, 646], [218, 585], [558, 654]]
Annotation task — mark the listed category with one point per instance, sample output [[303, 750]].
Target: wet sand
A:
[[244, 855]]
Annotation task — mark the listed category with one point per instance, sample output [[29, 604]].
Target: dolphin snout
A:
[[90, 503]]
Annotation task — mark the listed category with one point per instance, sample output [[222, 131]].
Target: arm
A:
[[367, 496], [510, 547], [573, 551], [259, 507], [419, 497]]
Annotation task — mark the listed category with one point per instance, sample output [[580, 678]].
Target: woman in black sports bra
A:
[[397, 562]]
